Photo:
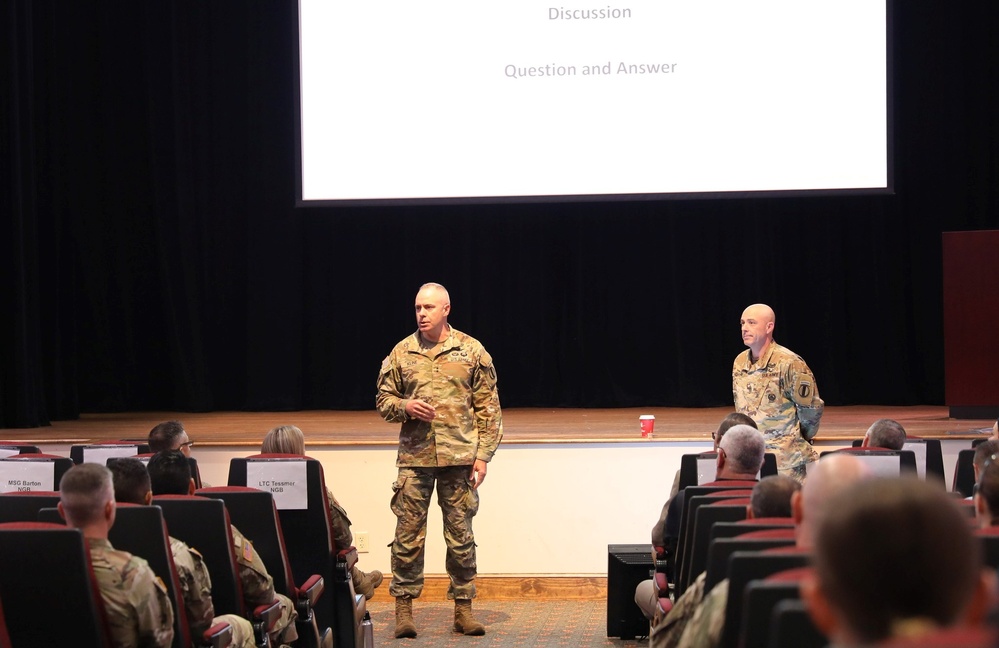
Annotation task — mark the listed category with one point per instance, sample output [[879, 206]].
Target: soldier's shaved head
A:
[[757, 324], [84, 493], [431, 286], [831, 475], [433, 304], [761, 312]]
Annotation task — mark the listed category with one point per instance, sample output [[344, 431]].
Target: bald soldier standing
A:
[[773, 386], [441, 385]]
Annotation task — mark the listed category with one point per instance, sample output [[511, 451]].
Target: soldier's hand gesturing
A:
[[419, 410]]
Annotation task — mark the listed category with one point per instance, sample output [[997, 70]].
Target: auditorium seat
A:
[[964, 473], [700, 468], [693, 498], [706, 516], [745, 566], [24, 507], [761, 596], [100, 451], [46, 568], [721, 551], [4, 635], [9, 449], [928, 453], [29, 467], [203, 524], [253, 512], [790, 625], [309, 540], [882, 461]]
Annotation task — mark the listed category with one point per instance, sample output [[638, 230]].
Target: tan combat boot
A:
[[365, 583], [404, 626], [463, 620]]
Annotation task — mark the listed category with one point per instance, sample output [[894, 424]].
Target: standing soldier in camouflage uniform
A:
[[441, 385], [774, 386], [135, 599]]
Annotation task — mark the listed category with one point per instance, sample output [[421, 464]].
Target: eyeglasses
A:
[[189, 444]]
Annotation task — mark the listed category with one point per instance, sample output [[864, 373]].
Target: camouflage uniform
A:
[[196, 588], [342, 536], [258, 588], [666, 633], [135, 600], [458, 379], [778, 391], [705, 629]]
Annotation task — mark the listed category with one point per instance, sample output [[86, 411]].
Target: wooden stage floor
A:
[[522, 425]]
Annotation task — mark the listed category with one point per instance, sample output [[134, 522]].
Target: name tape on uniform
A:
[[286, 480], [26, 476]]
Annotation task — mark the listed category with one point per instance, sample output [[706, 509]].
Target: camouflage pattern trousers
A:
[[459, 503]]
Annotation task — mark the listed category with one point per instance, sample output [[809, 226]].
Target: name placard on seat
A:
[[99, 454], [9, 452], [286, 480], [27, 476]]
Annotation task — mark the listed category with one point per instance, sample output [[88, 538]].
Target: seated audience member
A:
[[138, 610], [288, 439], [985, 452], [170, 474], [867, 587], [987, 495], [170, 435], [885, 433], [809, 506], [771, 497], [645, 592], [131, 485]]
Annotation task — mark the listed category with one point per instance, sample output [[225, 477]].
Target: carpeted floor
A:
[[508, 623]]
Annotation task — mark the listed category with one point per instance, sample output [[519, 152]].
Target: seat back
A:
[[705, 518], [701, 468], [721, 551], [252, 511], [142, 531], [745, 566], [790, 625], [24, 506], [928, 454], [883, 462], [101, 451], [691, 503], [10, 449], [4, 635], [32, 472], [989, 537], [42, 563], [203, 524], [761, 596], [309, 541], [739, 527], [964, 473]]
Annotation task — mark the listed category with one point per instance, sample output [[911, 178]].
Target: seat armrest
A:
[[217, 636], [348, 556], [307, 594], [264, 618]]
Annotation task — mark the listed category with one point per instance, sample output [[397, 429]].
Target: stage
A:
[[521, 425]]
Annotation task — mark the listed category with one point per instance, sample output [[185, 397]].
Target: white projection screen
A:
[[447, 101]]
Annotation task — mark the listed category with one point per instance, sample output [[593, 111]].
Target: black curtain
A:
[[154, 258]]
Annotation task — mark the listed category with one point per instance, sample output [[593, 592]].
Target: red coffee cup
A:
[[648, 424]]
